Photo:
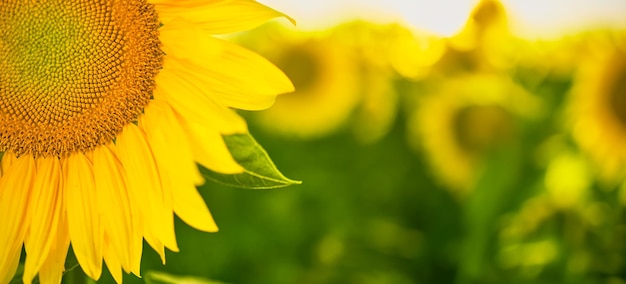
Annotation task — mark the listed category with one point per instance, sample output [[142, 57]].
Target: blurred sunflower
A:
[[368, 42], [375, 48], [484, 43], [378, 106], [487, 22], [464, 119], [325, 78], [598, 109], [557, 58], [412, 54], [105, 107]]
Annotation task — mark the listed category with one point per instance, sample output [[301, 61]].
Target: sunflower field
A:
[[478, 158], [482, 157]]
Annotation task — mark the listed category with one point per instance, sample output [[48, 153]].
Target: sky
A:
[[534, 18]]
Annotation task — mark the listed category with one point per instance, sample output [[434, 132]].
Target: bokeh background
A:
[[476, 142]]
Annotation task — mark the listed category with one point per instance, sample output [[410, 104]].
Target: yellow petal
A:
[[203, 120], [208, 146], [7, 159], [164, 133], [177, 168], [223, 90], [144, 184], [138, 223], [187, 98], [15, 187], [190, 207], [10, 266], [83, 216], [112, 260], [218, 17], [238, 77], [112, 192], [45, 214], [53, 267]]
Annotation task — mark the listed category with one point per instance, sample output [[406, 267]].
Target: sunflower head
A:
[[412, 53], [616, 89], [302, 66], [486, 22], [464, 120], [73, 76], [481, 128], [105, 108], [485, 41], [488, 13], [324, 74], [598, 109]]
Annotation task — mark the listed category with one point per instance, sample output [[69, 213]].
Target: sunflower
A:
[[462, 120], [412, 53], [105, 107], [375, 114], [598, 108], [325, 78], [484, 43], [376, 50], [487, 21]]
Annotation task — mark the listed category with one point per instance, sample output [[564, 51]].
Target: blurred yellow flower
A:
[[485, 42], [462, 120], [567, 180], [376, 112], [598, 108], [412, 53], [368, 42], [487, 23], [392, 47], [375, 48], [105, 107], [560, 57], [325, 77], [532, 254]]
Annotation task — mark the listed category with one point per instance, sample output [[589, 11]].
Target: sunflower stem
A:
[[76, 276]]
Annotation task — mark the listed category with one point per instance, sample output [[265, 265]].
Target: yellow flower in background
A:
[[393, 47], [412, 53], [378, 106], [462, 120], [598, 108], [344, 76], [325, 78], [368, 42], [377, 50], [487, 22], [105, 107], [559, 58], [567, 180], [484, 43]]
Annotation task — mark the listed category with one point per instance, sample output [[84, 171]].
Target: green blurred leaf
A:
[[259, 170], [157, 277], [490, 199], [17, 278]]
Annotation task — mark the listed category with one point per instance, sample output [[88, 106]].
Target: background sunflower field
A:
[[479, 157]]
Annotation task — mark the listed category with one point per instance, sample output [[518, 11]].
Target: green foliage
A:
[[157, 277], [17, 278], [259, 170]]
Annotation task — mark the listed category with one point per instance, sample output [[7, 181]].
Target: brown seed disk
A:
[[73, 72]]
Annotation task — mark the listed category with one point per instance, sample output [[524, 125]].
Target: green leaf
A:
[[259, 170], [157, 277], [17, 278]]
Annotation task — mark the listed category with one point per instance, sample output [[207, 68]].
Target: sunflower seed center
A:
[[73, 72]]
